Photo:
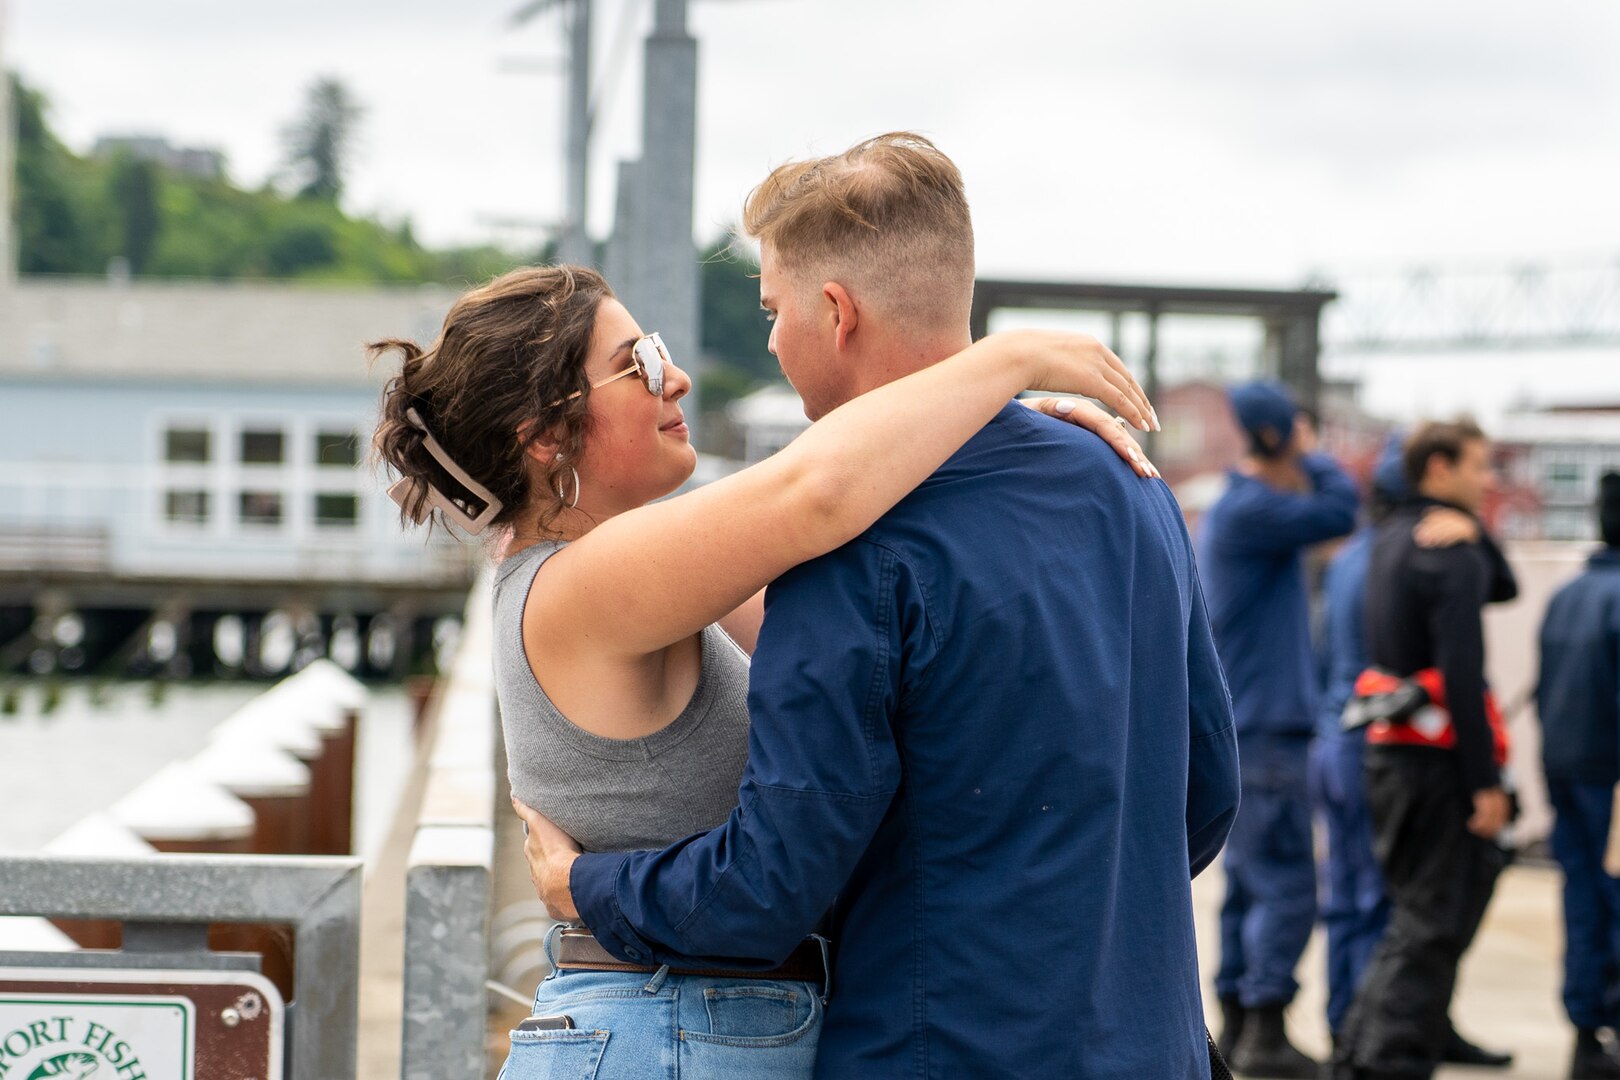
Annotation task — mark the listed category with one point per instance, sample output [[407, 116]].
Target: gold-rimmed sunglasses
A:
[[648, 358]]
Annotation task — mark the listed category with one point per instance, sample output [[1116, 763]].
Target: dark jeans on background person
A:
[[1591, 902], [1440, 878], [1355, 906], [1270, 904]]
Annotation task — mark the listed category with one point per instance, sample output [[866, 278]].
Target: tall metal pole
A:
[[667, 293], [575, 243]]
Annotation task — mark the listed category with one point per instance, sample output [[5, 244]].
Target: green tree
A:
[[133, 195], [74, 213], [56, 224], [734, 328], [320, 142], [296, 246]]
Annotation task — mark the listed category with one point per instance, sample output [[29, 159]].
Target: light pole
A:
[[662, 255], [574, 241]]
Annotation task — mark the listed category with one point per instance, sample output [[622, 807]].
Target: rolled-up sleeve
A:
[[1274, 521], [823, 767]]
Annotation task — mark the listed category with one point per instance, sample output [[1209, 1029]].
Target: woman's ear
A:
[[539, 446]]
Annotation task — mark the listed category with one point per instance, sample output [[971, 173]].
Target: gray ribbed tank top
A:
[[618, 794]]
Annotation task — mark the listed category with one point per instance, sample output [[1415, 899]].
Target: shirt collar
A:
[[1605, 557], [1425, 502]]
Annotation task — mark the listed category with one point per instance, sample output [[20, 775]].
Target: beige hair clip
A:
[[404, 490]]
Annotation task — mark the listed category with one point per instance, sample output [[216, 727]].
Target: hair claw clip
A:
[[404, 490]]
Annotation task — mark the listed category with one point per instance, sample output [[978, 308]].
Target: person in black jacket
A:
[[1434, 781], [1578, 697]]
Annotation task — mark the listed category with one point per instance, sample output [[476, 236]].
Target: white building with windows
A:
[[1553, 459], [194, 431]]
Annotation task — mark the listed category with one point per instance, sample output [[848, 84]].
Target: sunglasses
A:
[[648, 359]]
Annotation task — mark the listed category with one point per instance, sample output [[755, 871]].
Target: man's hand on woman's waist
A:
[[551, 854]]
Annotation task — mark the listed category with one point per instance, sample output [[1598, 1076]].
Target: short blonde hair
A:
[[888, 217]]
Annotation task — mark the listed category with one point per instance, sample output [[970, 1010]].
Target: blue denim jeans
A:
[[1354, 904], [630, 1026]]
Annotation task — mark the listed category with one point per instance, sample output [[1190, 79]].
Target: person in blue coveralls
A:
[[990, 740], [1578, 697], [1353, 898], [1282, 498]]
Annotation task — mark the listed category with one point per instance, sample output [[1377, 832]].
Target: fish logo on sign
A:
[[73, 1066], [68, 1048]]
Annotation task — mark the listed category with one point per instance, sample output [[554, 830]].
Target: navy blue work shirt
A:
[[1578, 694], [995, 731], [1250, 547]]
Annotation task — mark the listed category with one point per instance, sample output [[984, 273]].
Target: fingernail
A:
[[1064, 407], [1136, 457], [1143, 424]]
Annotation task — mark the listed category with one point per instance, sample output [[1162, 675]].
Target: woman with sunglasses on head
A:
[[543, 412]]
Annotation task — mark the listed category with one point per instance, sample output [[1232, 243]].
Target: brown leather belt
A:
[[577, 950]]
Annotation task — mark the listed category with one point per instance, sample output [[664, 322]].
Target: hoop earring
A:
[[563, 496]]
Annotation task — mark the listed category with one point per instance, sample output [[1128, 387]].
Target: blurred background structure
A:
[[1403, 212]]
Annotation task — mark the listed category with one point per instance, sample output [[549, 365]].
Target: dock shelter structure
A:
[[1292, 318]]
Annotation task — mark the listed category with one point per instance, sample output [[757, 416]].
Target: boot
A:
[[1592, 1060], [1459, 1051], [1232, 1017], [1265, 1052]]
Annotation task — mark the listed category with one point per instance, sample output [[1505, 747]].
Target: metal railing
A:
[[165, 903], [448, 879], [115, 518]]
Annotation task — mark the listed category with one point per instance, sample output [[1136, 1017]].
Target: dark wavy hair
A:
[[1443, 437], [510, 352]]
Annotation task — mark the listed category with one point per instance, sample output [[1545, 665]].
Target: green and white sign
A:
[[106, 1037], [129, 1023]]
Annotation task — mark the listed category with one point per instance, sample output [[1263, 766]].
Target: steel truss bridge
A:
[[1555, 304]]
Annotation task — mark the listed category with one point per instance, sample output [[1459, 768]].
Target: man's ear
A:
[[843, 310], [540, 446]]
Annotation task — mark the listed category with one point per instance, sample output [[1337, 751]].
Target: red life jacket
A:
[[1431, 725]]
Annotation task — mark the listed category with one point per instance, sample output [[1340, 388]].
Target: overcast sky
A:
[[1252, 141]]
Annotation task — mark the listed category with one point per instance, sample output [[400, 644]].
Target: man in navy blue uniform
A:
[[1354, 900], [1578, 698], [990, 736], [1354, 907], [1281, 499]]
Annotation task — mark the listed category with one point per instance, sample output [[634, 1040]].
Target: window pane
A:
[[185, 444], [261, 507], [334, 509], [262, 447], [337, 448], [186, 506]]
